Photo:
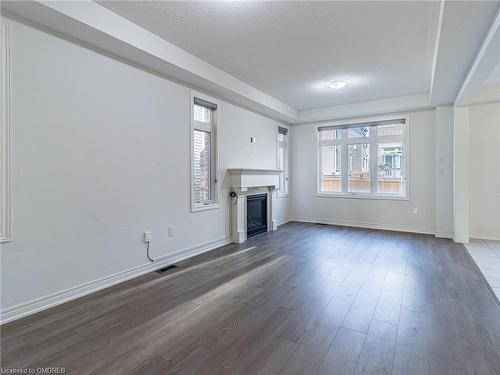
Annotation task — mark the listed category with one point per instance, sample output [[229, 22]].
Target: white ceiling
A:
[[290, 50], [464, 27], [489, 91], [277, 57], [494, 77]]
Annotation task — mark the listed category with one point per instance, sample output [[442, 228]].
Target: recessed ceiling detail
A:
[[287, 49], [277, 58]]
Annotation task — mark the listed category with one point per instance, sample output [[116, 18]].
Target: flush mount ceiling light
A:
[[339, 84]]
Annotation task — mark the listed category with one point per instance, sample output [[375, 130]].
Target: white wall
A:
[[101, 154], [444, 170], [484, 171], [461, 176], [389, 214]]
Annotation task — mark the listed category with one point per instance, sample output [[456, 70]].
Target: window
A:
[[359, 179], [330, 169], [367, 159], [204, 169], [282, 159]]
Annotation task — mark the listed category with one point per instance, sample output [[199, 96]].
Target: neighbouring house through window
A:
[[204, 169], [364, 159]]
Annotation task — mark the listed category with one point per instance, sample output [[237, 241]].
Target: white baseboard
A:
[[444, 235], [43, 303], [486, 237], [282, 221], [363, 224]]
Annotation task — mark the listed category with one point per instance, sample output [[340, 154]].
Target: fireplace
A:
[[253, 202], [256, 214]]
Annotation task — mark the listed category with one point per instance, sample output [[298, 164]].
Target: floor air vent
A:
[[166, 269]]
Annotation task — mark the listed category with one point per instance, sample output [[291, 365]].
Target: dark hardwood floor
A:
[[306, 299]]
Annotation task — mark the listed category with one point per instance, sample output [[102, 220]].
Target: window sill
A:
[[363, 196], [205, 207]]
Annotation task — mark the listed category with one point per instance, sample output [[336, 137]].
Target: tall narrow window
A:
[[283, 159], [204, 170], [364, 159]]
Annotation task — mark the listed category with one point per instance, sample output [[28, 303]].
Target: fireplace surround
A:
[[246, 183]]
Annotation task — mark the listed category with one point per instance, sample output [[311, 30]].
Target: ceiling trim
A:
[[436, 46], [368, 108], [485, 62], [99, 27]]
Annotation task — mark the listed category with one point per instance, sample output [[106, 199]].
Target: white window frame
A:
[[373, 141], [283, 193], [214, 203]]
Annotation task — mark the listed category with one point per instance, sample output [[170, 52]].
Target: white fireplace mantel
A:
[[244, 178], [247, 182]]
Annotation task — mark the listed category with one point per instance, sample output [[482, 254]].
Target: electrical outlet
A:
[[171, 231], [415, 211], [147, 237]]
